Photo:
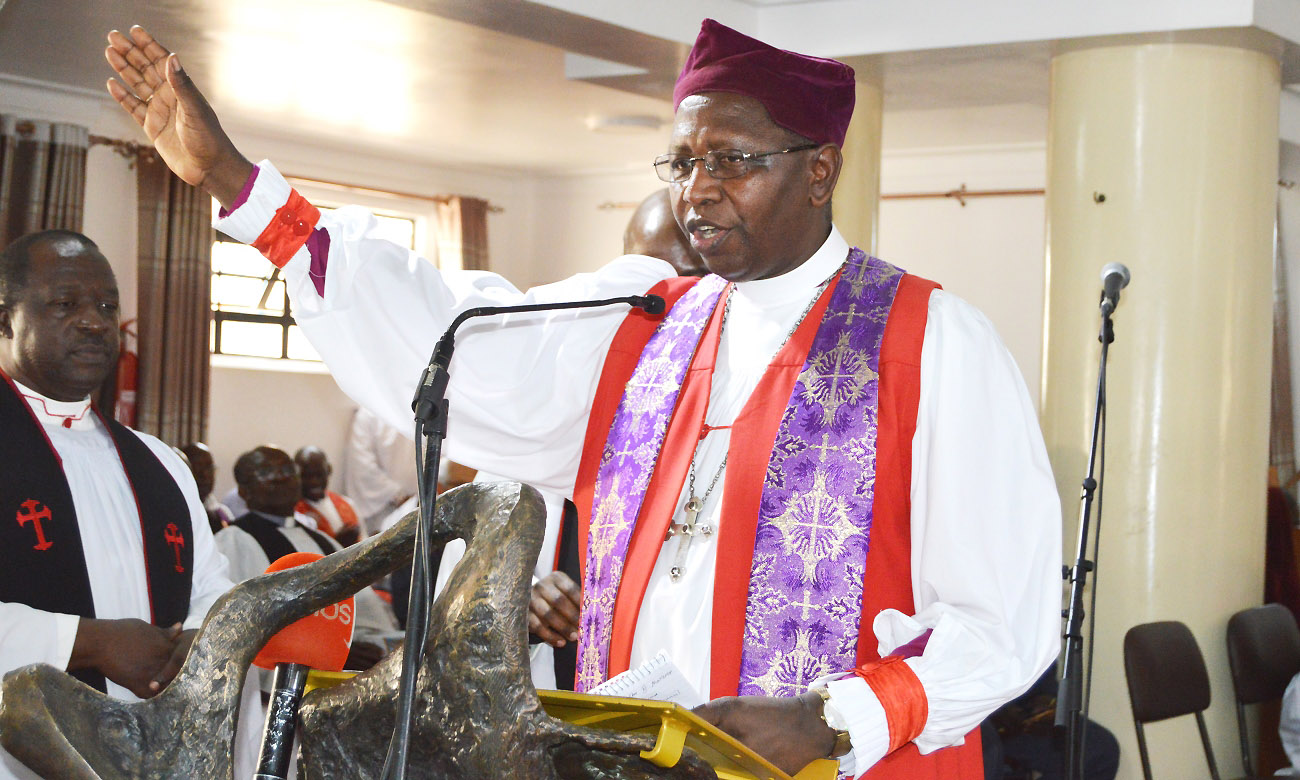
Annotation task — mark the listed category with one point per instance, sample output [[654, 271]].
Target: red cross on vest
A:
[[173, 536], [36, 517]]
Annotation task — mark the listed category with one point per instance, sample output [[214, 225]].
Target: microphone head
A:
[[321, 640], [1112, 269], [653, 304]]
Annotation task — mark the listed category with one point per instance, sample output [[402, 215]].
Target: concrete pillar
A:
[[1162, 155], [856, 204]]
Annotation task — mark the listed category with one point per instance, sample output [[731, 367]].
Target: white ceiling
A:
[[480, 83]]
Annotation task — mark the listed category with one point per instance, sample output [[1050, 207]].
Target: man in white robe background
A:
[[755, 199], [58, 342]]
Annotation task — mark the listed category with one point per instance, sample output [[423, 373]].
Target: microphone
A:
[[1114, 277], [319, 641], [433, 382]]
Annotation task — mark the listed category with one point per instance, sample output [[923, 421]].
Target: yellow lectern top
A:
[[676, 727]]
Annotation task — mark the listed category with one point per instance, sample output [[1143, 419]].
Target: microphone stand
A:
[[281, 721], [1069, 692], [430, 407]]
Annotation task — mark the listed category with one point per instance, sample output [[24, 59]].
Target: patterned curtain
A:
[[1281, 449], [42, 176], [175, 238], [462, 232]]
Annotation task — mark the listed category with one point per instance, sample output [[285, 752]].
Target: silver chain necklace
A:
[[687, 530]]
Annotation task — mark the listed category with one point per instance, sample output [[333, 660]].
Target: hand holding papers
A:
[[653, 699]]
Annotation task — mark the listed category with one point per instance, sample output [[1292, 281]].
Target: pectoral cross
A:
[[686, 534]]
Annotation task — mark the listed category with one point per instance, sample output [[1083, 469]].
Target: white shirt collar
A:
[[797, 283], [74, 415]]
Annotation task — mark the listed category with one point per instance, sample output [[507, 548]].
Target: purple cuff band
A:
[[915, 647], [243, 194], [318, 248]]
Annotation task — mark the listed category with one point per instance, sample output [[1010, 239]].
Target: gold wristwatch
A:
[[843, 745]]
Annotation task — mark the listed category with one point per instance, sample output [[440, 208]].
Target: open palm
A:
[[163, 100]]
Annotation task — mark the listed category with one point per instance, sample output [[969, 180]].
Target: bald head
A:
[[654, 232], [314, 468]]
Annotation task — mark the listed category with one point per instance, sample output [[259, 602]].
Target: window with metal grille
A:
[[250, 306]]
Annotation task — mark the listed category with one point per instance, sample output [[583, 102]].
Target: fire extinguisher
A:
[[128, 375]]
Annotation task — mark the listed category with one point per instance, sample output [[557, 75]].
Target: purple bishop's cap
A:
[[810, 96]]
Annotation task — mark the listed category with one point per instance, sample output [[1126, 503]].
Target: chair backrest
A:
[[1263, 652], [1166, 678], [1165, 671]]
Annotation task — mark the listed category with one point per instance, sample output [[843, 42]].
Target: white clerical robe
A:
[[109, 523], [985, 517], [378, 468]]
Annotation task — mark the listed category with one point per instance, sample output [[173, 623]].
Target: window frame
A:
[[420, 213]]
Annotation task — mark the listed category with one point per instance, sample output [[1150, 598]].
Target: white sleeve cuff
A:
[[270, 192], [65, 636], [864, 717]]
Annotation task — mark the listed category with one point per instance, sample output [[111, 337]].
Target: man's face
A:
[[203, 468], [59, 335], [275, 487], [758, 225], [315, 471]]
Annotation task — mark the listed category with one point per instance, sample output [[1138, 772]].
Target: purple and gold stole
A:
[[805, 585]]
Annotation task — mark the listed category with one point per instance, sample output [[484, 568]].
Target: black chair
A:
[[1166, 678], [1264, 654]]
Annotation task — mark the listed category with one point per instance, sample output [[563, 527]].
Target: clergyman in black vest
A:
[[109, 563], [269, 482]]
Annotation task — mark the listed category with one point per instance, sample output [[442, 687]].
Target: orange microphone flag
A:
[[321, 640]]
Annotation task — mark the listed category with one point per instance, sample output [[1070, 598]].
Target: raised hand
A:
[[184, 129]]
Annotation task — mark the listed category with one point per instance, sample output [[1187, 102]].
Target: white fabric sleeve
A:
[[211, 576], [519, 395], [30, 636], [986, 542], [242, 551]]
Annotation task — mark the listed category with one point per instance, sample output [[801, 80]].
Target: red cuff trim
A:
[[289, 230], [902, 696]]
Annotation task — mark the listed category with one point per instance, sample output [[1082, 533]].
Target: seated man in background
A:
[[333, 514], [109, 565], [204, 470], [267, 479]]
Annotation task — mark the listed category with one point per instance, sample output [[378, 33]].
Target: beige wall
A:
[[989, 251], [251, 407]]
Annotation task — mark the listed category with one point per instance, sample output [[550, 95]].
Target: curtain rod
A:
[[132, 150], [960, 194], [374, 190]]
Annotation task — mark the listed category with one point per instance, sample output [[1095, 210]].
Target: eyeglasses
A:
[[721, 164]]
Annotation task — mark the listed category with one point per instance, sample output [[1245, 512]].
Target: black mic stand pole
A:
[[1069, 693], [430, 407]]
